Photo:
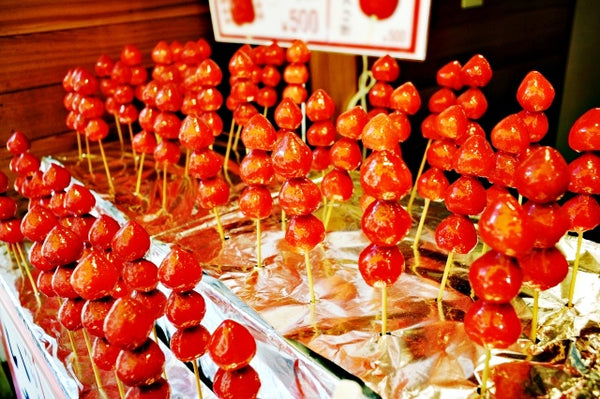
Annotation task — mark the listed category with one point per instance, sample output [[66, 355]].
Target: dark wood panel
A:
[[43, 59], [20, 17]]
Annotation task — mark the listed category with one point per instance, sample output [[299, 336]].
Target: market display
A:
[[469, 257]]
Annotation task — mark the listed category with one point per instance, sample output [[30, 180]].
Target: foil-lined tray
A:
[[426, 353]]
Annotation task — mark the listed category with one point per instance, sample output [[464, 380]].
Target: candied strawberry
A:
[[321, 133], [505, 169], [93, 314], [104, 354], [473, 102], [505, 227], [94, 276], [194, 134], [180, 270], [214, 121], [299, 196], [378, 134], [319, 106], [57, 177], [159, 389], [476, 72], [259, 134], [475, 157], [213, 192], [69, 313], [37, 223], [44, 283], [549, 223], [350, 123], [79, 200], [295, 73], [304, 232], [535, 93], [209, 99], [452, 122], [190, 343], [510, 135], [257, 168], [385, 68], [241, 383], [400, 124], [543, 176], [385, 223], [146, 119], [406, 98], [584, 134], [244, 90], [185, 309], [321, 159], [384, 175], [142, 365], [270, 75], [140, 275], [492, 325], [450, 75], [80, 225], [205, 163], [167, 152], [231, 345], [102, 232], [380, 265], [297, 52], [495, 277], [24, 164], [61, 282], [456, 233], [466, 196], [584, 174], [440, 100], [37, 260], [288, 115], [296, 93], [17, 143], [155, 301], [432, 184], [128, 323], [544, 268], [291, 156], [131, 242], [379, 95], [337, 185], [537, 124], [346, 154], [441, 154], [256, 202], [583, 211], [167, 125], [266, 97], [62, 246]]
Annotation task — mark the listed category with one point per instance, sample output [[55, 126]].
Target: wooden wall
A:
[[41, 40]]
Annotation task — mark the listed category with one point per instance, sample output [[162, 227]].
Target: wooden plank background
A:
[[40, 41]]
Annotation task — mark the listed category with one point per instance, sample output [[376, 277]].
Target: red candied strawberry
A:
[[102, 232], [140, 275], [501, 333], [549, 223], [321, 133], [159, 389], [385, 68], [452, 122], [37, 223], [385, 223], [379, 95], [242, 383], [185, 309], [505, 169], [505, 227], [473, 102], [441, 154], [297, 52], [231, 345], [401, 124], [69, 313], [212, 192], [346, 154], [476, 72], [62, 246], [288, 115], [321, 159], [440, 100], [510, 135], [142, 365], [131, 242], [80, 225], [475, 157], [378, 134], [543, 176], [17, 143], [214, 121], [79, 200], [180, 270], [24, 164], [406, 98], [205, 163], [167, 125], [61, 282], [167, 152], [96, 129], [456, 233], [37, 260], [432, 184], [537, 124], [94, 276], [257, 168], [259, 134], [544, 268], [584, 174], [450, 75], [190, 343], [385, 176], [584, 134], [104, 354], [495, 277], [319, 106], [93, 314], [304, 232], [291, 156], [256, 202], [128, 323], [44, 283], [466, 196], [296, 74], [296, 93], [583, 212], [144, 142], [194, 134], [155, 301], [57, 177], [350, 123], [337, 185], [535, 93], [380, 265]]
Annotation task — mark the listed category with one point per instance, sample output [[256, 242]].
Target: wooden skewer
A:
[[309, 276], [197, 374], [413, 192], [575, 268], [486, 372], [219, 224], [421, 224], [258, 244], [25, 264], [329, 210], [79, 149], [111, 186], [94, 367], [384, 301], [120, 133], [447, 269], [534, 315], [164, 189], [120, 386], [133, 153], [228, 153], [89, 157], [140, 167]]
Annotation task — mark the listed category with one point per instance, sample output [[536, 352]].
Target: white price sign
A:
[[370, 27]]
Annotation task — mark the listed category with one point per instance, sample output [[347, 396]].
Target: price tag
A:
[[370, 27]]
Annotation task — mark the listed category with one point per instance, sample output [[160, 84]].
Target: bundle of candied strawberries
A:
[[524, 197]]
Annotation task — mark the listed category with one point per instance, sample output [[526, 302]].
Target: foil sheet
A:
[[426, 353]]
